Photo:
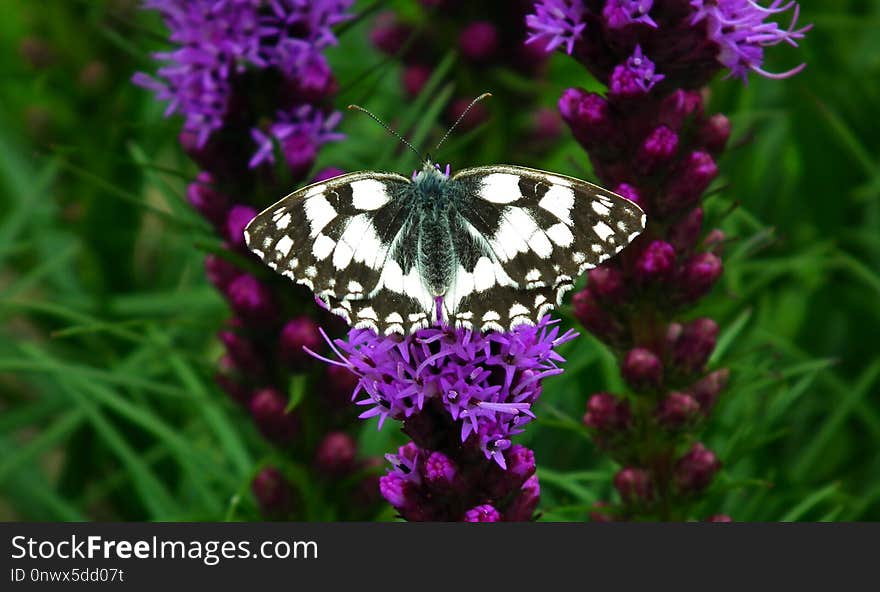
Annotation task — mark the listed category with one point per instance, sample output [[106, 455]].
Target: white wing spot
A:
[[319, 213], [518, 310], [293, 263], [500, 188], [323, 246], [578, 257], [559, 200], [283, 222], [603, 231], [394, 317], [355, 287], [484, 274], [560, 234], [369, 194], [533, 275], [311, 271], [600, 208], [367, 313], [283, 245], [491, 315]]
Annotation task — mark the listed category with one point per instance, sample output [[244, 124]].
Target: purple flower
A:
[[556, 23], [739, 30], [487, 383], [620, 13], [216, 40], [636, 77], [298, 132]]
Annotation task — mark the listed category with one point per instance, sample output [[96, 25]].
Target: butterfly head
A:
[[430, 172]]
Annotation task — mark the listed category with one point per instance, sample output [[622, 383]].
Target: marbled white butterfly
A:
[[487, 248]]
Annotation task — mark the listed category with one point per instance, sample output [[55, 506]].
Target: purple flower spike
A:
[[556, 23], [488, 383], [738, 29]]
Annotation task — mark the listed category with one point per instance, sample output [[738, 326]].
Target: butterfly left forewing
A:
[[541, 231], [338, 237]]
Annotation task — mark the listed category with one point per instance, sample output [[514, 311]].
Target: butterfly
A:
[[488, 248]]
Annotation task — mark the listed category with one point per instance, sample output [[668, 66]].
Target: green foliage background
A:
[[107, 324]]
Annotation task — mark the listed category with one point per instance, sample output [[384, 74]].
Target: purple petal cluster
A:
[[218, 41], [688, 41], [486, 384], [557, 23], [740, 30]]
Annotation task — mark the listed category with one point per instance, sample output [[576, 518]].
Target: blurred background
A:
[[109, 406]]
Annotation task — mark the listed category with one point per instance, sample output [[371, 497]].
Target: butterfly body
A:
[[488, 248]]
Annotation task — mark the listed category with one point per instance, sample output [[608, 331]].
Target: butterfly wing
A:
[[345, 238], [529, 235]]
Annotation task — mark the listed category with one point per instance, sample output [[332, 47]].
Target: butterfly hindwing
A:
[[533, 233], [340, 238]]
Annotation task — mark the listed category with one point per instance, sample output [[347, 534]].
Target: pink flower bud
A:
[[707, 389], [715, 132], [479, 41], [656, 262], [677, 410], [606, 413], [273, 492], [209, 202], [657, 150], [694, 174], [220, 272], [691, 345], [698, 275], [607, 283], [694, 471], [415, 77], [297, 334], [598, 321], [633, 485], [523, 506], [482, 513], [642, 369], [684, 233], [268, 410], [251, 300], [236, 220], [336, 454]]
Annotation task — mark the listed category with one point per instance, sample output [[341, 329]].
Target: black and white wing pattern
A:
[[524, 236], [348, 239]]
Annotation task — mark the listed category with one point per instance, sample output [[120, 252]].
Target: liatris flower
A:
[[250, 79], [650, 139], [461, 396]]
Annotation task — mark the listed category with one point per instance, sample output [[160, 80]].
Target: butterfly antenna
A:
[[387, 129], [460, 117]]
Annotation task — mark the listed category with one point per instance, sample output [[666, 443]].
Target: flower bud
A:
[[220, 272], [479, 41], [630, 193], [714, 242], [243, 354], [273, 492], [336, 454], [233, 387], [719, 518], [707, 389], [657, 149], [607, 284], [694, 471], [680, 105], [656, 262], [598, 321], [606, 413], [715, 132], [415, 77], [695, 173], [522, 508], [587, 116], [684, 233], [251, 300], [236, 220], [482, 513], [441, 473], [642, 370], [268, 410], [633, 485], [298, 334], [599, 514], [697, 276], [677, 410], [388, 35], [207, 201], [546, 126], [520, 464], [691, 345]]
